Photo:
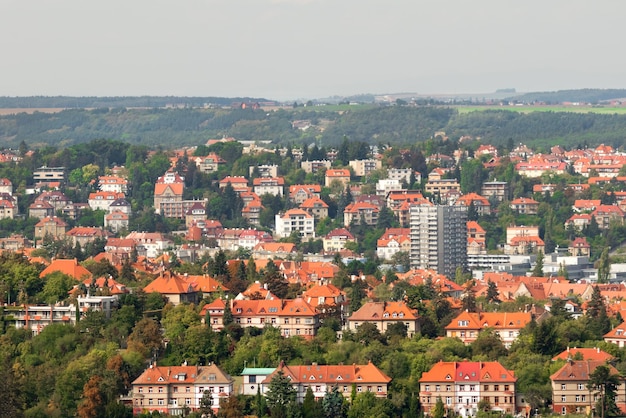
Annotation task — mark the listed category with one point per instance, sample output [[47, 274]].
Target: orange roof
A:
[[586, 353], [331, 374], [205, 284], [312, 201], [175, 188], [338, 173], [169, 284], [384, 311], [496, 320], [69, 267], [453, 371]]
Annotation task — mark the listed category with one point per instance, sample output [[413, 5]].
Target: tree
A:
[[206, 405], [310, 407], [230, 407], [604, 266], [469, 296], [227, 318], [492, 293], [438, 410], [605, 384], [280, 394], [274, 280], [538, 269], [92, 398], [597, 318], [333, 404]]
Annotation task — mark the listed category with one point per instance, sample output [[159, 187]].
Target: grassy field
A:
[[558, 108]]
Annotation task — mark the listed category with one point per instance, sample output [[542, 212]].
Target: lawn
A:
[[557, 108]]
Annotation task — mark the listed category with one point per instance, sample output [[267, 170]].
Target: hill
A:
[[580, 95]]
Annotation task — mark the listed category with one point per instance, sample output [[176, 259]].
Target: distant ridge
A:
[[87, 102], [580, 95]]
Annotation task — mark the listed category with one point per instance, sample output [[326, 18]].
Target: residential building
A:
[[496, 190], [209, 163], [195, 214], [384, 314], [336, 240], [617, 335], [41, 210], [112, 184], [298, 193], [384, 186], [476, 238], [7, 209], [172, 389], [358, 212], [52, 227], [315, 166], [403, 174], [295, 220], [83, 235], [69, 267], [321, 379], [525, 206], [238, 183], [438, 238], [6, 186], [263, 170], [481, 205], [116, 221], [269, 185], [150, 243], [252, 379], [337, 175], [570, 391], [462, 385], [46, 174], [392, 242], [507, 325], [175, 288], [363, 168], [607, 214], [316, 207]]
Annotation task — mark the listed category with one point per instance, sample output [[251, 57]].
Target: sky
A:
[[297, 49]]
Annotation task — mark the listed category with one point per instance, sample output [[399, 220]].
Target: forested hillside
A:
[[326, 125]]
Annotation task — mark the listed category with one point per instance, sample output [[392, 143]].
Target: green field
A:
[[558, 108]]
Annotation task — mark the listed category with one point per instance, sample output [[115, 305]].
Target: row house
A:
[[461, 386], [173, 390], [294, 317], [322, 378], [112, 184], [384, 314], [269, 185], [467, 325], [525, 206], [336, 240], [360, 212], [570, 391], [481, 204], [315, 166], [364, 168], [393, 241], [298, 193], [295, 220], [209, 163]]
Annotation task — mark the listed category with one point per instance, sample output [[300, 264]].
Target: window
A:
[[140, 389], [187, 389], [486, 388], [175, 389], [460, 399], [563, 386], [437, 388], [448, 400], [359, 389], [161, 402], [160, 389], [472, 388], [448, 388], [150, 389], [496, 400], [379, 389], [584, 398], [286, 320], [252, 379], [563, 411], [577, 398], [581, 386], [563, 398], [506, 387], [496, 387], [474, 399], [463, 323], [150, 401], [187, 401], [221, 389]]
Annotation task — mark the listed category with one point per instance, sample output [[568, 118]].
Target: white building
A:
[[295, 220]]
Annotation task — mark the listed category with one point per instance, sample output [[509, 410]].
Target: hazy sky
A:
[[293, 49]]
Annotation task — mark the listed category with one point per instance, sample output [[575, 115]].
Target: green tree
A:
[[492, 293], [438, 410], [334, 404], [604, 266], [310, 407], [605, 383], [206, 405], [538, 269], [280, 394]]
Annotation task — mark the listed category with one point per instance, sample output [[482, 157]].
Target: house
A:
[[252, 209], [440, 186], [585, 205], [496, 190], [461, 385], [6, 186], [570, 391], [83, 235], [102, 200], [476, 238], [174, 288], [113, 184], [321, 378], [325, 295], [69, 267], [41, 210], [392, 242], [250, 238], [116, 221], [295, 220], [583, 354], [37, 317], [269, 185], [168, 195], [336, 240], [263, 170], [252, 379], [7, 209], [580, 247], [578, 221], [335, 175], [298, 193], [537, 169], [150, 243], [617, 335], [52, 227], [606, 214], [363, 168], [196, 213], [358, 212], [238, 183], [315, 166], [48, 175], [525, 206], [384, 314], [467, 325], [316, 207], [481, 205], [172, 389], [209, 163]]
